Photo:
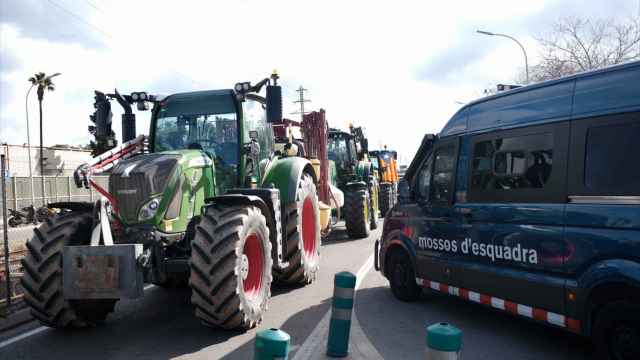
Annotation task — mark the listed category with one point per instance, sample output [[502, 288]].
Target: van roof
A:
[[610, 90]]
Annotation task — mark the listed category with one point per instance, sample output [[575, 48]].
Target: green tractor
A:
[[356, 177], [204, 200]]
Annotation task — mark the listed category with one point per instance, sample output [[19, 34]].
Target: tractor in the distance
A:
[[386, 162], [204, 200], [347, 181], [356, 177]]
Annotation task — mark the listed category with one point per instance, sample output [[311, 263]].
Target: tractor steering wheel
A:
[[201, 143]]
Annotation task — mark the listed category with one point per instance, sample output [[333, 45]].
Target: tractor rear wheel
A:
[[42, 280], [357, 212], [302, 226], [231, 267], [374, 204], [386, 198]]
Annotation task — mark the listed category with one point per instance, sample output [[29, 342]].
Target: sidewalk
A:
[[19, 316]]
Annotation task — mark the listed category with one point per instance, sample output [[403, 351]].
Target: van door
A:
[[519, 178], [436, 224]]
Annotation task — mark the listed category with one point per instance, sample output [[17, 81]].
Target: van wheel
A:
[[616, 332], [402, 277]]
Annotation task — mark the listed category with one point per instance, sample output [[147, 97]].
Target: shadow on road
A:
[[398, 329], [299, 326]]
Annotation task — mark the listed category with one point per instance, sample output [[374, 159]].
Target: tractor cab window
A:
[[200, 121], [338, 149], [255, 119], [215, 134]]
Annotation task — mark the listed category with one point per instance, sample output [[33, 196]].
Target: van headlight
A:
[[149, 210]]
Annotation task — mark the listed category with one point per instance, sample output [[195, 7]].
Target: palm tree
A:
[[44, 83]]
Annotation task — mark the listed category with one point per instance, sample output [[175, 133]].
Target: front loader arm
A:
[[106, 161]]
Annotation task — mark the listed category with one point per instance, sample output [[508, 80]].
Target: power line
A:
[[93, 5], [79, 18]]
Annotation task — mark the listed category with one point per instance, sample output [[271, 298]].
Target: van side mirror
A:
[[274, 104], [404, 191]]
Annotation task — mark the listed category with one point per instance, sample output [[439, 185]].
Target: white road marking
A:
[[40, 329], [23, 336], [318, 336]]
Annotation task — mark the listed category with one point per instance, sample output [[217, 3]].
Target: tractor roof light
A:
[[134, 96], [242, 87], [143, 96]]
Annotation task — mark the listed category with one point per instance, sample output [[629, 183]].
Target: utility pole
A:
[[301, 100]]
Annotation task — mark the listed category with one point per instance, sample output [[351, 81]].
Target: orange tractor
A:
[[388, 177]]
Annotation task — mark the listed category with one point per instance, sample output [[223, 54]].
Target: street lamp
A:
[[526, 62]]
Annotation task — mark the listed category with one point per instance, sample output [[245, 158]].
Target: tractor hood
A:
[[134, 181], [173, 178]]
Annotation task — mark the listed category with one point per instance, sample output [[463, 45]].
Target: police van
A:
[[528, 201]]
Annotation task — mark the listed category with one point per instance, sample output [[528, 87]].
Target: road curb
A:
[[15, 319]]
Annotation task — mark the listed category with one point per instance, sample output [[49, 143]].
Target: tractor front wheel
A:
[[302, 226], [357, 212], [42, 280], [231, 267]]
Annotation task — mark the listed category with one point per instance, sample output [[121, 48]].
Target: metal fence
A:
[[57, 188]]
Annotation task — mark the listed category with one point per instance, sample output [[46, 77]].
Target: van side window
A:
[[424, 180], [611, 163], [443, 173], [512, 163]]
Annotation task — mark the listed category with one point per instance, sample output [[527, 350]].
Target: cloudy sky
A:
[[399, 68]]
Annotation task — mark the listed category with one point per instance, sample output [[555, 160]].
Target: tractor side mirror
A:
[[404, 192], [274, 104]]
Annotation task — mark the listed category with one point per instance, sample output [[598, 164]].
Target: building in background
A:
[[60, 160]]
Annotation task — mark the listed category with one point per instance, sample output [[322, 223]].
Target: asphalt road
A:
[[161, 325]]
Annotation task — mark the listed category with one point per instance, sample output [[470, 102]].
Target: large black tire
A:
[[42, 280], [374, 204], [386, 198], [402, 277], [231, 267], [616, 332], [302, 227], [357, 212]]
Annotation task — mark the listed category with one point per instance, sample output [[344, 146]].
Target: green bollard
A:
[[340, 325], [444, 342], [272, 344]]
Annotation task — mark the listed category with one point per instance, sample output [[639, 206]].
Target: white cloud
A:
[[370, 62]]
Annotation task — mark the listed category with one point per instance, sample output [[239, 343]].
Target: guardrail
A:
[[15, 268], [57, 188]]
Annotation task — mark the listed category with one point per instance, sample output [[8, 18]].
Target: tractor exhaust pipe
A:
[[128, 119]]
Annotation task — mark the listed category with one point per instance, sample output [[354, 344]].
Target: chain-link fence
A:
[[57, 188]]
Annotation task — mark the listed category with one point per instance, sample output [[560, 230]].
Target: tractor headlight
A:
[[149, 210]]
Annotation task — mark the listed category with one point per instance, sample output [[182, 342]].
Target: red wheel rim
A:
[[253, 251], [309, 227]]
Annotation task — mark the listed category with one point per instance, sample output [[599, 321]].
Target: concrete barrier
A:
[[444, 342], [272, 344], [340, 324]]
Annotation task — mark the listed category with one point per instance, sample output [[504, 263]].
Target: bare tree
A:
[[576, 45]]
